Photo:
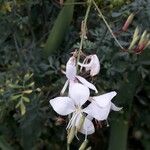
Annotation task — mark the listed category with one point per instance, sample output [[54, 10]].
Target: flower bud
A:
[[143, 37], [134, 41], [83, 145], [139, 49], [136, 32], [71, 135], [80, 124], [128, 22]]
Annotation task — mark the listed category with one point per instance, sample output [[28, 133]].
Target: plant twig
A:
[[17, 49], [83, 28], [101, 15]]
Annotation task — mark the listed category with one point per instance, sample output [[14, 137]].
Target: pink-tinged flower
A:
[[72, 76], [93, 66], [101, 105], [78, 95]]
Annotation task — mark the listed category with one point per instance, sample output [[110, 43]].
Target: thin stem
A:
[[101, 15], [17, 49], [68, 146], [83, 28], [76, 3]]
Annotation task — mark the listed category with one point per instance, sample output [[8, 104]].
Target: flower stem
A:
[[83, 28], [68, 146], [102, 16]]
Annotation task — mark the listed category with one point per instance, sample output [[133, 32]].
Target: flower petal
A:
[[79, 93], [97, 112], [86, 83], [89, 117], [87, 128], [115, 108], [62, 105], [95, 67], [71, 68], [103, 100]]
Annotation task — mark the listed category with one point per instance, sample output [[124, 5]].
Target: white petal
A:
[[87, 128], [62, 105], [89, 117], [115, 108], [79, 93], [86, 83], [97, 112], [71, 68], [103, 100], [95, 67]]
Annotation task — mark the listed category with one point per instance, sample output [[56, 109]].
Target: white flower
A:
[[72, 76], [78, 95], [93, 66], [101, 105]]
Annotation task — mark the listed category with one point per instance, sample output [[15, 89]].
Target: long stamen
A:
[[76, 135], [86, 134], [69, 124], [64, 87], [84, 62]]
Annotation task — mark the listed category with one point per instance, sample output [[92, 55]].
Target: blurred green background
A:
[[36, 38]]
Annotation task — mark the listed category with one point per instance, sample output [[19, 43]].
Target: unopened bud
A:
[[134, 41], [83, 145], [136, 32], [80, 124], [139, 49], [71, 135], [128, 22], [143, 37]]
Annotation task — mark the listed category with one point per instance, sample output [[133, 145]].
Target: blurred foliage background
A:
[[28, 79]]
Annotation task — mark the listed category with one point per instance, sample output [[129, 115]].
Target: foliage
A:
[[28, 81]]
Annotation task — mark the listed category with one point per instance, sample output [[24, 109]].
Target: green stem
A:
[[120, 122], [118, 135], [83, 29], [76, 3], [68, 146], [102, 16]]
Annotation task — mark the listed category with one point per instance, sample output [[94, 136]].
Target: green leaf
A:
[[22, 108], [15, 86], [27, 91], [59, 29], [26, 99], [18, 104], [15, 97]]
